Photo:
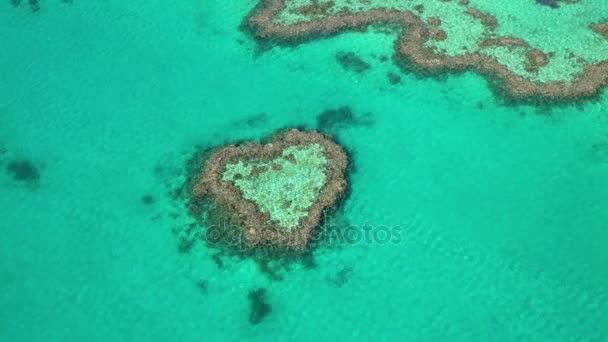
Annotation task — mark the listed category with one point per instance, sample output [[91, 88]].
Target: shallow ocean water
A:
[[503, 210]]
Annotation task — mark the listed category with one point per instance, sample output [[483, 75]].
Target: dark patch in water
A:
[[147, 199], [203, 286], [381, 58], [166, 173], [543, 110], [393, 78], [258, 306], [252, 121], [218, 261], [549, 3], [600, 151], [341, 277], [342, 117], [308, 261], [23, 171], [175, 193], [350, 61], [480, 105], [34, 4], [185, 243]]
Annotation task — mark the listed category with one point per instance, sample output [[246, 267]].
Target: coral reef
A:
[[453, 36], [601, 29], [274, 193]]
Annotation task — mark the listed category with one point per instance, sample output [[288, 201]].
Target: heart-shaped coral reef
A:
[[276, 192]]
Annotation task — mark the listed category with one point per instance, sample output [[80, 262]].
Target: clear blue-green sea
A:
[[502, 209]]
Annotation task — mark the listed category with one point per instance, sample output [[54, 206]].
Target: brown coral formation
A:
[[410, 50], [433, 21], [315, 8], [487, 20], [601, 29], [255, 226], [437, 34], [535, 59], [505, 41]]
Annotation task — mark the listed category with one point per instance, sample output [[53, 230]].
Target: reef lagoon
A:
[[469, 201]]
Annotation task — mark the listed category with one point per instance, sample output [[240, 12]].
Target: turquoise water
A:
[[503, 210]]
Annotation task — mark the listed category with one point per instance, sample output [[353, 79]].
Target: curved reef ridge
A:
[[277, 192], [550, 53]]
